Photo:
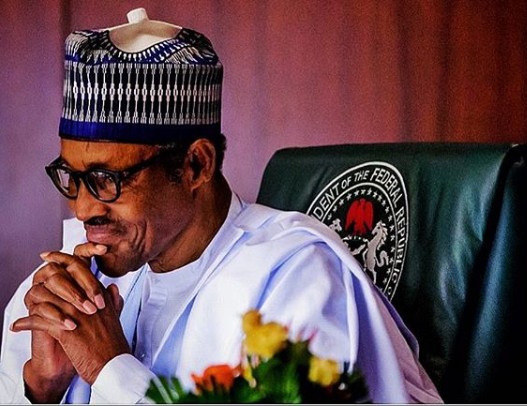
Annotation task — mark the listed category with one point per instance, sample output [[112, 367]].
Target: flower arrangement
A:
[[274, 369]]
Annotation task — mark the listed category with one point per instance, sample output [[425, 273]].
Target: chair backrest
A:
[[442, 230]]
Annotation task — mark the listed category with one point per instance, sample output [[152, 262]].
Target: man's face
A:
[[151, 215]]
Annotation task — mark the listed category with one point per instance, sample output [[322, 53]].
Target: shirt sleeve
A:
[[12, 392], [15, 350], [123, 380], [315, 295], [16, 347], [306, 293]]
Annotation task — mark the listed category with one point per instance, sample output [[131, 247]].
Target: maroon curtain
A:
[[297, 73]]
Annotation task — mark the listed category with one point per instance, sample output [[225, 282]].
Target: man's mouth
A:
[[105, 234]]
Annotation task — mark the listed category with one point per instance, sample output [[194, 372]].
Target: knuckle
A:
[[81, 250], [59, 279], [31, 296], [78, 267], [54, 280], [37, 309], [47, 272], [41, 275], [55, 268], [28, 301]]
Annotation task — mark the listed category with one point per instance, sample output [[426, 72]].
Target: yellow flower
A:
[[325, 372], [247, 373], [263, 340], [250, 320]]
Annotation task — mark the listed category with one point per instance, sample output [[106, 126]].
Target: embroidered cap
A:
[[169, 90]]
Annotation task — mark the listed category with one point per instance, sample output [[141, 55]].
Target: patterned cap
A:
[[169, 90]]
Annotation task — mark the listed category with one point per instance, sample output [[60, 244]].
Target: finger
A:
[[117, 299], [39, 294], [53, 314], [82, 274], [40, 301], [48, 270], [34, 323], [59, 282], [87, 250]]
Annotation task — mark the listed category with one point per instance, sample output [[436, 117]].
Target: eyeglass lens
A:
[[65, 181], [101, 183]]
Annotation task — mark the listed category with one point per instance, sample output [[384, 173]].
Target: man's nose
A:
[[87, 206]]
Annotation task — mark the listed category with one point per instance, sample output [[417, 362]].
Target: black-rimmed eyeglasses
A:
[[104, 184]]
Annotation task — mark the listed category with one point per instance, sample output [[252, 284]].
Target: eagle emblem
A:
[[367, 205]]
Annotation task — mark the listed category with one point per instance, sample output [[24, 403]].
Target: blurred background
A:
[[297, 73]]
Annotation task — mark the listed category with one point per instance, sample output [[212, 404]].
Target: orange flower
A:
[[216, 375]]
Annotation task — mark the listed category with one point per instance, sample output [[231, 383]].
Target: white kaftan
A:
[[292, 268]]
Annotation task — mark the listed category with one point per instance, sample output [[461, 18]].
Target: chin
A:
[[111, 266]]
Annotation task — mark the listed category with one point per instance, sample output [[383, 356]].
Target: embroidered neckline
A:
[[158, 51]]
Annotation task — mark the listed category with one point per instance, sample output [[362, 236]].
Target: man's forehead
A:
[[85, 154]]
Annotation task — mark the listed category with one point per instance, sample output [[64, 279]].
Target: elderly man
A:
[[162, 258]]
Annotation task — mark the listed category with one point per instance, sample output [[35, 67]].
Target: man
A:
[[163, 258]]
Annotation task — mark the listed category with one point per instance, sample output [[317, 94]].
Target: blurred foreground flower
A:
[[262, 340], [274, 369], [216, 375]]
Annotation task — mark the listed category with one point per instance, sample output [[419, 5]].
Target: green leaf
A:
[[278, 380], [163, 390], [242, 392]]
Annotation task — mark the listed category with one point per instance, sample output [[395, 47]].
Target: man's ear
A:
[[202, 162]]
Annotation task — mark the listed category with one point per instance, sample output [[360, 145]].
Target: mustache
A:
[[98, 221]]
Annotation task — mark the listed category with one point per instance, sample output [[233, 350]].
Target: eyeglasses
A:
[[104, 184]]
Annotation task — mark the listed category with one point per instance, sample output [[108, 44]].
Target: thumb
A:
[[89, 249]]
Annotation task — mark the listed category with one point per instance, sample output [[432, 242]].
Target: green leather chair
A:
[[442, 230]]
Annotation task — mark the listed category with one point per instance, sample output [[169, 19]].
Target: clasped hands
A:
[[74, 324]]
